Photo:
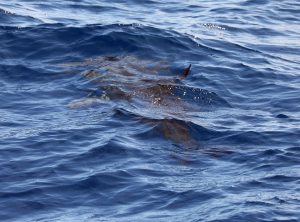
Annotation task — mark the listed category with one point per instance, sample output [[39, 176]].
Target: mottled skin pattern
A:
[[128, 78]]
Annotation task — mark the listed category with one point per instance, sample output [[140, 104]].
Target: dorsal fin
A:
[[186, 71]]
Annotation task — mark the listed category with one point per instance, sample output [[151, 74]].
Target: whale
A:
[[152, 91]]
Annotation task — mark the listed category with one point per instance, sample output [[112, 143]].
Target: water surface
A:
[[98, 124]]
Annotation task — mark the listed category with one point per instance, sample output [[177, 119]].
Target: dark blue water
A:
[[97, 122]]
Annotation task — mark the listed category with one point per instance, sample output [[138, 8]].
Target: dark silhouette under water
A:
[[162, 100]]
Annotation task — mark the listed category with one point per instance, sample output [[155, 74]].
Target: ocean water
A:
[[99, 123]]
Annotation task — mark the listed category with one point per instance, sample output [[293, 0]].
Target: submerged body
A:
[[150, 91], [128, 78]]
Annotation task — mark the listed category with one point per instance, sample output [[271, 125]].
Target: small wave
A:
[[9, 18]]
